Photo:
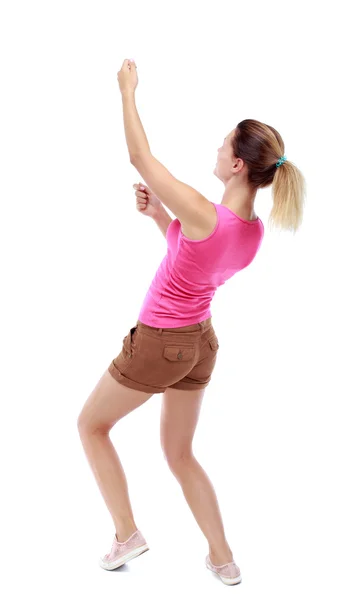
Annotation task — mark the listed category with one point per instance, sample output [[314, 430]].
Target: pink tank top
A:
[[192, 270]]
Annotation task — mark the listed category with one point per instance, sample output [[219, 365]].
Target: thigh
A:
[[108, 402], [180, 412]]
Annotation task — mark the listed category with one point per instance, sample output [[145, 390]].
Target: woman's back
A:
[[192, 270]]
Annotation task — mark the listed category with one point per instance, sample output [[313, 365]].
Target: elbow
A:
[[137, 159], [134, 159]]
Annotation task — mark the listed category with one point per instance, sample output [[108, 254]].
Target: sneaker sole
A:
[[109, 566], [226, 580]]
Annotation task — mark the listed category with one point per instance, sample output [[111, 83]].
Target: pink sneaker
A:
[[229, 573], [121, 552]]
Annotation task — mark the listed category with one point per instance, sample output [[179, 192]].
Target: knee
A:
[[83, 424], [87, 426], [178, 460]]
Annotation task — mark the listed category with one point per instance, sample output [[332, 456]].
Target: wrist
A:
[[161, 215], [127, 94], [158, 213], [160, 210]]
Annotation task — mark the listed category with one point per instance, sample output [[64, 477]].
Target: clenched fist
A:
[[147, 203]]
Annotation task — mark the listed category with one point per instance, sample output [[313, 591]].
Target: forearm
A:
[[136, 138], [137, 144], [163, 220]]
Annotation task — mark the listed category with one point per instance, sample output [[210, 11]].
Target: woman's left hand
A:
[[127, 76]]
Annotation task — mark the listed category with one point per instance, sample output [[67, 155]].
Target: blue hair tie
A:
[[281, 160]]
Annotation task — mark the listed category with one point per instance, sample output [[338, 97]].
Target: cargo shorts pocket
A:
[[129, 342], [128, 350], [178, 361], [214, 343], [179, 353]]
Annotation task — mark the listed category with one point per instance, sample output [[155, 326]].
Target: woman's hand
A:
[[127, 76], [147, 203]]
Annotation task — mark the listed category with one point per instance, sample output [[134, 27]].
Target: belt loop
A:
[[160, 330]]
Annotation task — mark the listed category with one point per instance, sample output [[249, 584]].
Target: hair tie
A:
[[281, 160]]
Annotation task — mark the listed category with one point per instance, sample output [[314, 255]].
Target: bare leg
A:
[[179, 416], [109, 402]]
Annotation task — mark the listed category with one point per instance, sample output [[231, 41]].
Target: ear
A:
[[238, 165]]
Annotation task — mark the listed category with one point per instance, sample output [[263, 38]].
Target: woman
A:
[[172, 348]]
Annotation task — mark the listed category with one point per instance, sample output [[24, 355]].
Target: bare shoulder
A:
[[207, 224]]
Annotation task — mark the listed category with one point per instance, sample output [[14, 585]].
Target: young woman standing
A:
[[172, 348]]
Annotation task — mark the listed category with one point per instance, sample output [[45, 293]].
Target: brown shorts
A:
[[153, 359]]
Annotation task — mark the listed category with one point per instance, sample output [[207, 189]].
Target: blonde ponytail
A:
[[288, 193], [261, 147]]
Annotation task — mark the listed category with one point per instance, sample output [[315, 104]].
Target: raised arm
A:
[[196, 214]]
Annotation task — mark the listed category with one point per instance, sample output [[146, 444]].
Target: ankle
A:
[[124, 531], [220, 556]]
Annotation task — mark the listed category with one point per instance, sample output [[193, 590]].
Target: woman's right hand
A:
[[146, 202]]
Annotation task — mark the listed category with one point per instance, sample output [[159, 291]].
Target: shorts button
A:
[[179, 355]]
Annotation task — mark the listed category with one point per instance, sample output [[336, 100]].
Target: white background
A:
[[77, 259]]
